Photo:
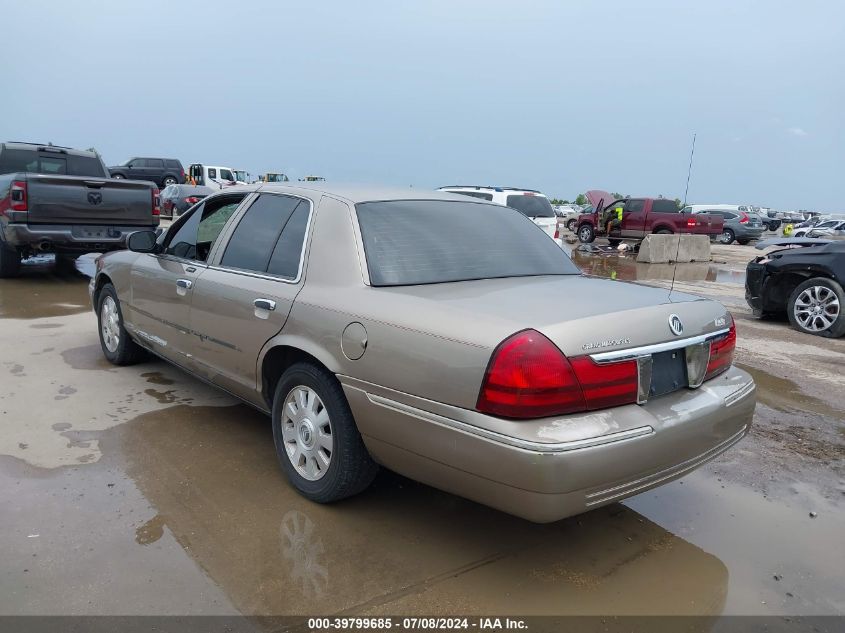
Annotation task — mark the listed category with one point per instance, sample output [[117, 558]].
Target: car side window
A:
[[635, 206], [225, 174], [270, 236], [195, 238], [212, 173], [155, 163]]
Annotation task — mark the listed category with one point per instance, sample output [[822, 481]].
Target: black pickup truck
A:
[[61, 200]]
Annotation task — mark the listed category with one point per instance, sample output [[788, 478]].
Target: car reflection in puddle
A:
[[47, 288], [607, 262], [400, 547]]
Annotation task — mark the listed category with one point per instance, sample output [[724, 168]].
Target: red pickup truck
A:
[[641, 216]]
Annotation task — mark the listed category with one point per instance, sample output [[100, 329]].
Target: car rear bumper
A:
[[546, 481], [69, 238], [749, 232]]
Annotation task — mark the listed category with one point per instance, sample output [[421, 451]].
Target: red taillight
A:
[[608, 384], [721, 354], [192, 200], [528, 377], [690, 223], [156, 203], [743, 218], [17, 195]]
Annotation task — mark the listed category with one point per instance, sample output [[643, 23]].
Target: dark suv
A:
[[161, 171]]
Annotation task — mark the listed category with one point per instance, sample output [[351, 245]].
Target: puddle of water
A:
[[45, 290], [613, 266], [212, 474], [785, 395]]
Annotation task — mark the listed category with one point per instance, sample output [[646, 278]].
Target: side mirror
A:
[[143, 242]]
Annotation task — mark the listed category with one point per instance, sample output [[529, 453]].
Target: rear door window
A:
[[212, 173], [155, 163], [664, 205]]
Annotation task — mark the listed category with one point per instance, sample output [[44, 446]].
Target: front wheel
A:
[[571, 224], [117, 347], [815, 307], [118, 176], [727, 237], [586, 233], [10, 261], [170, 180], [317, 441]]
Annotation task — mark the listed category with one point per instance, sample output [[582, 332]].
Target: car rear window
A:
[[475, 194], [532, 206], [409, 242]]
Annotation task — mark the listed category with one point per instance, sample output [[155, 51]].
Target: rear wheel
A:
[[170, 180], [317, 441], [117, 347], [586, 233], [744, 242], [815, 307], [727, 236], [10, 261], [663, 232]]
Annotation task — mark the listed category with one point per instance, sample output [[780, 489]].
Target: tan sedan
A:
[[446, 338]]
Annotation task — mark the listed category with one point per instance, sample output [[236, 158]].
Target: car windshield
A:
[[240, 175], [409, 242], [532, 206], [277, 178]]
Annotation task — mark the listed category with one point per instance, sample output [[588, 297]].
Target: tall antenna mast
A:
[[686, 191]]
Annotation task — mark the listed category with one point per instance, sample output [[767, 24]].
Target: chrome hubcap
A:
[[817, 308], [307, 433], [110, 324]]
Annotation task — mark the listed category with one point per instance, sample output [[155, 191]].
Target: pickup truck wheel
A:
[[317, 441], [10, 262], [117, 347], [571, 224], [586, 233], [664, 232], [816, 307], [727, 237]]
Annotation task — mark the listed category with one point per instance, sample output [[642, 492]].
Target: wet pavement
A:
[[139, 490]]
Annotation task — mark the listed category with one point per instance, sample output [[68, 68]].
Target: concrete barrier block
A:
[[662, 249]]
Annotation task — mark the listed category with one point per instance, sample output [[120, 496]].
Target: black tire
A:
[[350, 469], [571, 224], [586, 233], [10, 262], [127, 351], [170, 180], [663, 232], [837, 328], [118, 176], [65, 263], [614, 242], [727, 237], [744, 242]]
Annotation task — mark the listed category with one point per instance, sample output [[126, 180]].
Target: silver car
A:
[[440, 336]]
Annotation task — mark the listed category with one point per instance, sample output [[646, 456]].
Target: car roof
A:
[[47, 147], [489, 188], [353, 193]]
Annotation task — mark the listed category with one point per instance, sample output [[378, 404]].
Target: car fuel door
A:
[[246, 295]]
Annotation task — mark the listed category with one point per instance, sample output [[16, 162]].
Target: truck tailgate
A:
[[82, 200]]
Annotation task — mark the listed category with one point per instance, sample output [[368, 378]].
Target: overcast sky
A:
[[558, 96]]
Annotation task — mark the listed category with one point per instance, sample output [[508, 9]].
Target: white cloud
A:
[[796, 131]]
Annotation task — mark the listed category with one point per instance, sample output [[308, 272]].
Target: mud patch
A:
[[64, 393], [163, 397], [151, 531]]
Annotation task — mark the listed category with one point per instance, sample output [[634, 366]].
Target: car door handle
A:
[[184, 283], [264, 304]]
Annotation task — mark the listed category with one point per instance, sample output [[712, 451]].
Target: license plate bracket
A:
[[668, 372]]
